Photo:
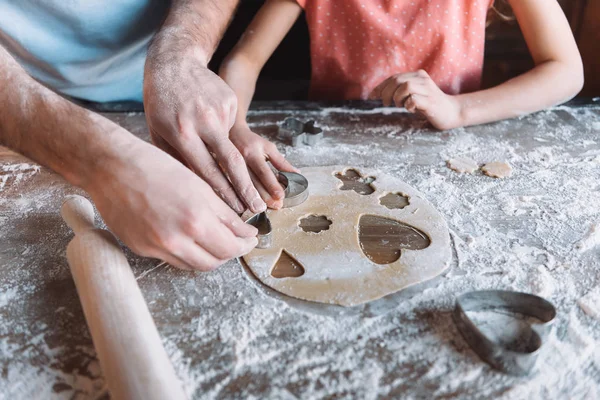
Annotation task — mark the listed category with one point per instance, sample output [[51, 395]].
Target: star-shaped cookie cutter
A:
[[300, 133]]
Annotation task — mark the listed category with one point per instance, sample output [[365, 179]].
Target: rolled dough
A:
[[497, 169], [336, 270], [463, 165]]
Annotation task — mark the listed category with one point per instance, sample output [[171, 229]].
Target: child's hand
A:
[[257, 151], [417, 92]]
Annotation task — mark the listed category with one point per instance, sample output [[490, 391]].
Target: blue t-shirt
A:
[[90, 49]]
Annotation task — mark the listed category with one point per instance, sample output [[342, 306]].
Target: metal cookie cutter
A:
[[296, 193], [296, 188], [514, 362], [300, 133], [265, 231]]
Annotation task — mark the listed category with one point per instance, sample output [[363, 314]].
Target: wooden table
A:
[[228, 337]]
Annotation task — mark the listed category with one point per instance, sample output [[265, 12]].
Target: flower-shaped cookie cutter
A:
[[507, 360], [300, 133]]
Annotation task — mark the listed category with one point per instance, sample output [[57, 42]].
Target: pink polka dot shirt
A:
[[356, 44]]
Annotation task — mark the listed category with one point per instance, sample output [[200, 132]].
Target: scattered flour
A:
[[13, 174], [591, 238], [229, 338]]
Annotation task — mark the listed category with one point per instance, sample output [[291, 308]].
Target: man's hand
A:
[[161, 209], [257, 151], [189, 111], [418, 93]]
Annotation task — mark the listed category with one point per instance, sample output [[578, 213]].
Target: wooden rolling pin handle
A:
[[78, 213], [133, 359]]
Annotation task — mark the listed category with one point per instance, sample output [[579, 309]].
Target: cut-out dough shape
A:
[[394, 200], [287, 267], [336, 270], [383, 239], [354, 180], [497, 169], [315, 223], [463, 165]]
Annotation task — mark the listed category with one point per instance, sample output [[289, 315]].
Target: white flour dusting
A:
[[13, 174], [228, 338], [591, 238]]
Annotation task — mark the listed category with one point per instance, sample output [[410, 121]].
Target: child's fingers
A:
[[265, 175], [387, 93], [279, 162], [376, 93], [264, 193], [417, 103], [406, 89]]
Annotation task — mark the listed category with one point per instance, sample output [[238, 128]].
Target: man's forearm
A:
[[193, 24], [52, 131]]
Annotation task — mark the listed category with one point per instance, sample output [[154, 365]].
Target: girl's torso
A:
[[356, 44]]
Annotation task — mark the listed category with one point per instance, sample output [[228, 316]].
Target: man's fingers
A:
[[162, 144], [220, 242], [233, 163], [196, 257], [206, 167]]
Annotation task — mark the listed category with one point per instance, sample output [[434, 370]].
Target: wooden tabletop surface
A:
[[230, 338]]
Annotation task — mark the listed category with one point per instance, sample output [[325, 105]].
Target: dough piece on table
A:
[[497, 169], [463, 165], [590, 303], [336, 270]]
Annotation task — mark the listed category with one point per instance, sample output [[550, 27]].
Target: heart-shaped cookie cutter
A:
[[506, 360], [300, 133], [296, 188], [265, 231], [296, 193]]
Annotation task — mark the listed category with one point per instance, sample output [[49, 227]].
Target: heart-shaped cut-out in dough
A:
[[382, 239], [353, 180], [287, 267]]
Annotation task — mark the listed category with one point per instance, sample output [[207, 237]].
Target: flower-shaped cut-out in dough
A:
[[336, 270]]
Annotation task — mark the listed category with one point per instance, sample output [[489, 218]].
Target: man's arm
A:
[[240, 70], [196, 25], [47, 128], [152, 202], [189, 109]]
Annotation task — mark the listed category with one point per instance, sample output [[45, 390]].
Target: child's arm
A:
[[556, 77], [240, 70]]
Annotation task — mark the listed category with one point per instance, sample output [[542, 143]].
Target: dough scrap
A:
[[336, 269], [497, 169], [463, 165]]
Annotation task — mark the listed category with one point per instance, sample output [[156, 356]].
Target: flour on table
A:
[[13, 174], [497, 169], [591, 238], [463, 165], [228, 340]]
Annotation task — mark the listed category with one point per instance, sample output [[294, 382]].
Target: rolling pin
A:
[[132, 357]]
